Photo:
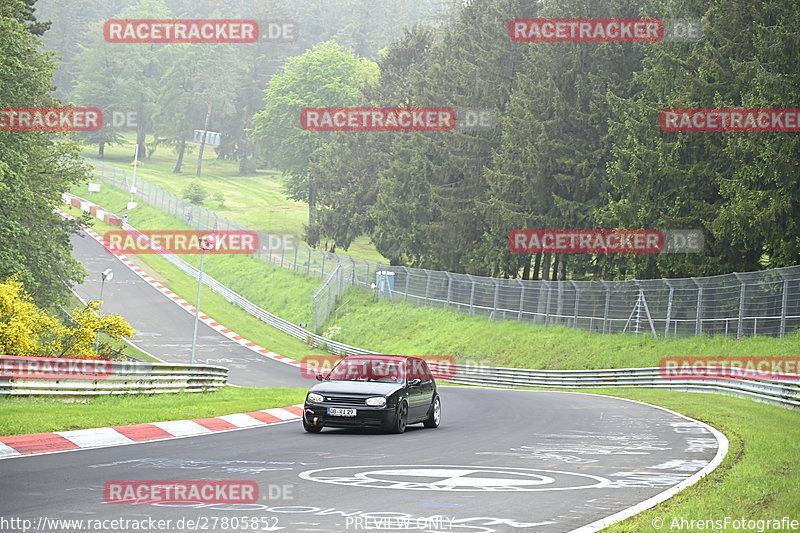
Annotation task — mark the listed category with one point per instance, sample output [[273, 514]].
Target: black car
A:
[[374, 391]]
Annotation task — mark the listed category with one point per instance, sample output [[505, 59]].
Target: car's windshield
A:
[[386, 371]]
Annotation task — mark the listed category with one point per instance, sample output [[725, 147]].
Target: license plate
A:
[[338, 411]]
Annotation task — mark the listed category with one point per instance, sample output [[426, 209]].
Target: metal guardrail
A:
[[111, 377], [781, 393]]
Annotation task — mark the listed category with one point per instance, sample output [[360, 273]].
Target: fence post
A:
[[323, 264], [308, 264], [471, 295], [577, 300], [295, 258], [449, 285], [739, 327], [521, 299], [669, 308], [549, 298], [496, 294], [605, 312], [316, 305], [405, 270], [698, 326], [784, 304], [427, 285], [283, 251]]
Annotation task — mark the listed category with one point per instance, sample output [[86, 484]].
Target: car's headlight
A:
[[378, 401], [313, 397]]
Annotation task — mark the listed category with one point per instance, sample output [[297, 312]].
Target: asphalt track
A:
[[504, 461], [501, 461], [165, 330]]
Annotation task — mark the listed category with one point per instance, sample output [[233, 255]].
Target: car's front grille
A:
[[344, 400]]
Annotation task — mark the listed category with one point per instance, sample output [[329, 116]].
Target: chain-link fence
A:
[[753, 303]]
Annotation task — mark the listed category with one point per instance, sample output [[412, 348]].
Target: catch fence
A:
[[739, 304]]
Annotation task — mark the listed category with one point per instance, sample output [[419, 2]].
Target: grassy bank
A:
[[20, 416]]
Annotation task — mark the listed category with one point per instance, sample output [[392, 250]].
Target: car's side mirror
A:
[[320, 377], [414, 382]]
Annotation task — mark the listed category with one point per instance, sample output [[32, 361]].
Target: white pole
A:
[[135, 166], [197, 305]]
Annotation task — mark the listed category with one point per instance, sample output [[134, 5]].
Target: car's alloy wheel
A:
[[402, 418], [436, 414]]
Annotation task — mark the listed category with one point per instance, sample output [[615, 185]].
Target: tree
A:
[[36, 168], [124, 77], [346, 174], [195, 192], [326, 76], [28, 330]]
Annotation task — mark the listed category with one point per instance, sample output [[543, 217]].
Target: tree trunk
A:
[[526, 270], [101, 150], [203, 140], [179, 162], [537, 265], [546, 261]]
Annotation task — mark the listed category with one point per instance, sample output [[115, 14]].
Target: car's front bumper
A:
[[366, 416]]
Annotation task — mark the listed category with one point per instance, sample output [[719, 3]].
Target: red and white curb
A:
[[60, 441], [189, 308]]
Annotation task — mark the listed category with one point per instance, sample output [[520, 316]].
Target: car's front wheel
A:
[[436, 414], [310, 427], [401, 420]]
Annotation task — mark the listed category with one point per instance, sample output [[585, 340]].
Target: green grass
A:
[[256, 201], [757, 479], [20, 416], [399, 327]]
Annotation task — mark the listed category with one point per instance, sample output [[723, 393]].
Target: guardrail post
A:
[[521, 299]]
